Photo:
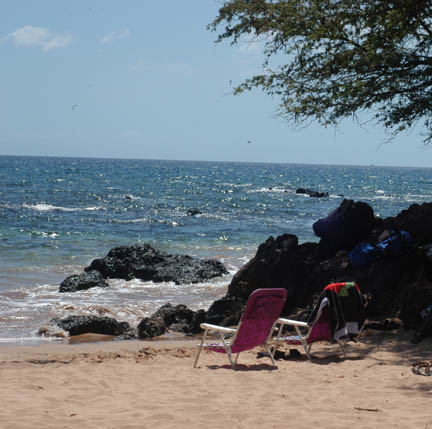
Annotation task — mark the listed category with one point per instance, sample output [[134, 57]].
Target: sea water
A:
[[58, 214]]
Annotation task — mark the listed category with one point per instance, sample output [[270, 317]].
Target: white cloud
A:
[[115, 35], [40, 37]]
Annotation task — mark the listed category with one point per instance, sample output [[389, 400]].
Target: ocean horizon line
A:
[[303, 164]]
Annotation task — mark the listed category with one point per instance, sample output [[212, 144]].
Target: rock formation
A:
[[143, 262], [83, 281], [77, 325], [312, 193], [399, 285]]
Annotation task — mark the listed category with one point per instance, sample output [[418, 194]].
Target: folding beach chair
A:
[[338, 315], [254, 329]]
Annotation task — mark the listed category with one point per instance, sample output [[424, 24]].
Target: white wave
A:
[[416, 197], [237, 185], [213, 216], [384, 197], [49, 234], [146, 220], [47, 207], [140, 220], [132, 197], [271, 190], [28, 340], [50, 207], [169, 222]]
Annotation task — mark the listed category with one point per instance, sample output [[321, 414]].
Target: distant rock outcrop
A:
[[193, 212], [312, 193]]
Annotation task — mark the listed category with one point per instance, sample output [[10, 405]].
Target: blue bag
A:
[[363, 255], [395, 243]]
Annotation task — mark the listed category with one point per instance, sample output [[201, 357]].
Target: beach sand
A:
[[151, 384]]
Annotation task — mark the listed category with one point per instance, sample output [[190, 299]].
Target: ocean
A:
[[58, 214]]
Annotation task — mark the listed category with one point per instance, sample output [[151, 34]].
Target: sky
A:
[[144, 79]]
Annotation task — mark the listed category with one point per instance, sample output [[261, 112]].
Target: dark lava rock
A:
[[180, 318], [417, 220], [177, 318], [77, 325], [279, 262], [398, 285], [193, 212], [83, 281], [348, 225], [146, 263], [151, 327], [226, 311], [311, 193]]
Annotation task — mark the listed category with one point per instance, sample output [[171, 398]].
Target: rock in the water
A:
[[312, 193], [193, 212], [146, 263], [77, 325], [83, 281]]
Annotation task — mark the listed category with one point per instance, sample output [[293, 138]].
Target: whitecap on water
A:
[[50, 207]]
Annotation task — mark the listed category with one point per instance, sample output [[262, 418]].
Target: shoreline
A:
[[171, 339]]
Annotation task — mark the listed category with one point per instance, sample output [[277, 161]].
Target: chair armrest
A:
[[292, 322], [210, 327]]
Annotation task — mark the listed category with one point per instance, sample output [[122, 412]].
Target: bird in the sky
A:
[[74, 106]]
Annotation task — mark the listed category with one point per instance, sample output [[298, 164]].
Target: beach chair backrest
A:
[[262, 309], [338, 314], [321, 328]]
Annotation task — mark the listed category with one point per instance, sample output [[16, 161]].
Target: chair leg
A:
[[270, 354], [236, 359], [274, 344], [200, 348], [305, 345], [228, 350], [342, 347], [230, 358]]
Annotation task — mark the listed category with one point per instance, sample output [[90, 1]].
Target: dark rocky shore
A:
[[397, 283]]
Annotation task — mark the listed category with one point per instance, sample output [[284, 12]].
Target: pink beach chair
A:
[[338, 315], [254, 329]]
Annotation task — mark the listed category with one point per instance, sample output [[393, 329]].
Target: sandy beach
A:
[[146, 384]]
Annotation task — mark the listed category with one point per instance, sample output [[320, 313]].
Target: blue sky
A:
[[144, 79]]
